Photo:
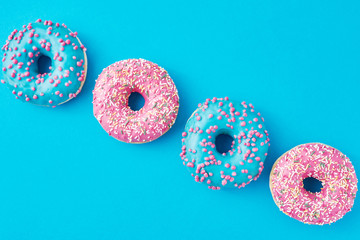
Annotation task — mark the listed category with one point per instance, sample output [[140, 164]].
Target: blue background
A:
[[62, 177]]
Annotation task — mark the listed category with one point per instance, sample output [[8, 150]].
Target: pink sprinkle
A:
[[190, 164]]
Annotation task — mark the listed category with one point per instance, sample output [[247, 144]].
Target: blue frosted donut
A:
[[20, 63], [244, 162]]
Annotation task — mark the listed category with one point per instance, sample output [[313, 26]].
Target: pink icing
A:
[[111, 94], [324, 163]]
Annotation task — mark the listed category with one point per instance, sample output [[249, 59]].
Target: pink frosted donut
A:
[[324, 163], [111, 96]]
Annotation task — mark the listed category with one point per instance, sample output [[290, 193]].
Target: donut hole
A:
[[136, 101], [224, 143], [312, 185], [44, 64]]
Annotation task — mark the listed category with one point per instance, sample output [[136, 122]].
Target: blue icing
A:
[[20, 55], [242, 163]]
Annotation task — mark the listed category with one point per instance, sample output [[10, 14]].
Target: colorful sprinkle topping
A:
[[240, 165], [21, 53], [111, 95], [324, 163]]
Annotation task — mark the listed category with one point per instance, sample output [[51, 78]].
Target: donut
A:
[[244, 162], [327, 165], [20, 70], [111, 95]]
